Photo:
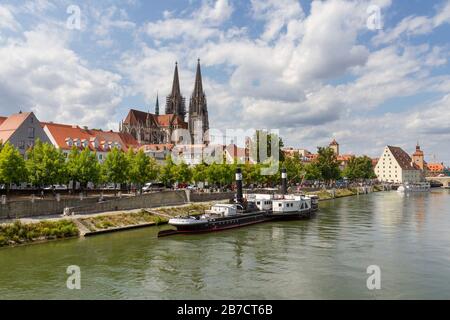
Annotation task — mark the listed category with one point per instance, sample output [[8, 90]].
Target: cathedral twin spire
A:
[[175, 102], [198, 111]]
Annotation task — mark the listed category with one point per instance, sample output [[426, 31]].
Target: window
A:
[[22, 144], [31, 132], [279, 205]]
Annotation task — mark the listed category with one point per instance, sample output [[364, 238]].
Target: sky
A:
[[366, 73]]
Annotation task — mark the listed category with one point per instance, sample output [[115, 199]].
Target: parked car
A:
[[111, 186], [56, 187], [153, 186]]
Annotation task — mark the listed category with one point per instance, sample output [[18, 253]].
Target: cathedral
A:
[[153, 128]]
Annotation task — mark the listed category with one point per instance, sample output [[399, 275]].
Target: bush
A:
[[18, 232]]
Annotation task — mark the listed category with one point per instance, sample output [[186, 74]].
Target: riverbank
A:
[[41, 229], [347, 192]]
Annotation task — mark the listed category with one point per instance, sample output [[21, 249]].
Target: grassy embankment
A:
[[142, 217], [328, 195], [18, 233]]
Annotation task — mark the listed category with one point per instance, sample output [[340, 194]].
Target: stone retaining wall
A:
[[22, 209], [149, 200]]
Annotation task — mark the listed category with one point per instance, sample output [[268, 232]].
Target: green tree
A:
[[213, 175], [312, 172], [182, 173], [167, 173], [199, 173], [141, 168], [327, 164], [359, 168], [83, 167], [46, 165], [295, 169], [115, 169], [152, 169], [12, 166]]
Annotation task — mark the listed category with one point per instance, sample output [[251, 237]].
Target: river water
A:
[[326, 257]]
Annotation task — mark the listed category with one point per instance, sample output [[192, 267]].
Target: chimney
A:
[[283, 181], [239, 195]]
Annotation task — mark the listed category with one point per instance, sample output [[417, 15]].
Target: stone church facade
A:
[[153, 128]]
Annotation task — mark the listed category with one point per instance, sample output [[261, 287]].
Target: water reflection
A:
[[325, 257]]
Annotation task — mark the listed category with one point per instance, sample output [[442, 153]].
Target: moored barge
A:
[[244, 211]]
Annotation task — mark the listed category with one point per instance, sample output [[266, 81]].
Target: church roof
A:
[[165, 120], [135, 117], [334, 143]]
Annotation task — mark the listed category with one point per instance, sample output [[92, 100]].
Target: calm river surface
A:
[[408, 237]]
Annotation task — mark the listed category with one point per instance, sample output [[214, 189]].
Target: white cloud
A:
[[41, 74], [215, 13], [109, 19], [277, 14], [7, 19], [415, 25], [200, 26]]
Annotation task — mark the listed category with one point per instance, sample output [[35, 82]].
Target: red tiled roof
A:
[[344, 157], [2, 119], [11, 124], [166, 119], [60, 133], [403, 159], [436, 167]]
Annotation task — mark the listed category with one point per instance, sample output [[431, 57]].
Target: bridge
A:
[[444, 180]]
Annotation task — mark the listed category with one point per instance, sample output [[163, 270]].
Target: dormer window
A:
[[94, 143], [69, 142]]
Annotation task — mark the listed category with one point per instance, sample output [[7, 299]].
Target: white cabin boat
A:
[[414, 187]]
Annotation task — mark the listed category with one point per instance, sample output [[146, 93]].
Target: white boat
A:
[[414, 187]]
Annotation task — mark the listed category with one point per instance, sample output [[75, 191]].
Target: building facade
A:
[[22, 130], [396, 166], [152, 128]]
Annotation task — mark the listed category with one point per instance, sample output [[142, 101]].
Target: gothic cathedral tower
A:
[[198, 111], [175, 102]]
